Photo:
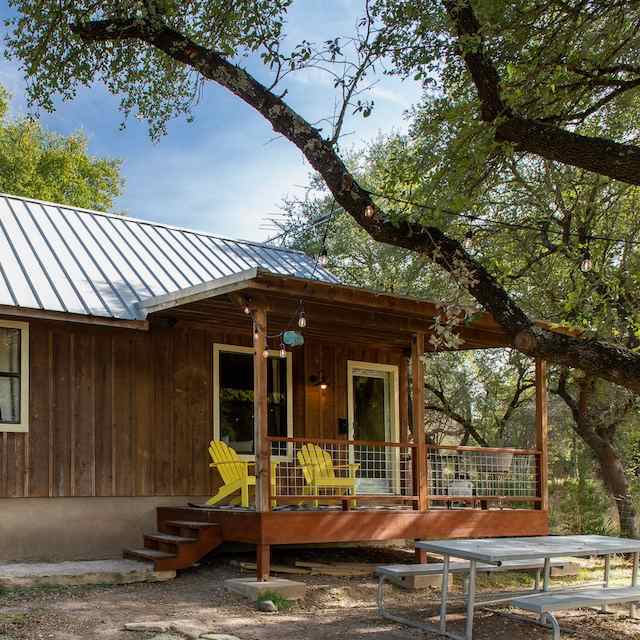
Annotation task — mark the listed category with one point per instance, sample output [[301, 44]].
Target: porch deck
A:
[[326, 525], [472, 492]]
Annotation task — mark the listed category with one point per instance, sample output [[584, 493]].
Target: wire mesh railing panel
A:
[[316, 469], [460, 474]]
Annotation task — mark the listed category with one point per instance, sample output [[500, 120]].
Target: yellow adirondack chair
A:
[[234, 473], [319, 472]]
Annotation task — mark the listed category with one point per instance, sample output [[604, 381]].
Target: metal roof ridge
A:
[[150, 222]]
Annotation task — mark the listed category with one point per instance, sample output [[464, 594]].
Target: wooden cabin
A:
[[128, 346]]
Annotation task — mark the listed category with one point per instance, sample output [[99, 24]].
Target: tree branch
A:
[[613, 363], [606, 157]]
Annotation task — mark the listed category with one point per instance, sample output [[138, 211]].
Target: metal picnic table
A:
[[498, 550]]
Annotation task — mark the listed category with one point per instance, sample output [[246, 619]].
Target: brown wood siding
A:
[[118, 412]]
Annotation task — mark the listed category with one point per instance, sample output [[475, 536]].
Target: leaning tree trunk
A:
[[613, 475], [615, 479], [588, 420]]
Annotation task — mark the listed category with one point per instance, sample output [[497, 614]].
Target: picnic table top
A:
[[497, 550]]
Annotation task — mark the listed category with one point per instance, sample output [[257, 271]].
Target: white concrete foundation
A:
[[58, 529], [252, 589]]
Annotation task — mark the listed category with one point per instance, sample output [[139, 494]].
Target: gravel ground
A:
[[333, 608]]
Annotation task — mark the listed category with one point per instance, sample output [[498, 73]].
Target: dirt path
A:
[[333, 608]]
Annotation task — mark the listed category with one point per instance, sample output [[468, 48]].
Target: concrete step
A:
[[83, 572]]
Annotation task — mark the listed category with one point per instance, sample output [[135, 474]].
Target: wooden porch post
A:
[[421, 466], [260, 421], [542, 429]]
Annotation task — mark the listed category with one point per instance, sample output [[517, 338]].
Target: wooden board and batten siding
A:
[[122, 413]]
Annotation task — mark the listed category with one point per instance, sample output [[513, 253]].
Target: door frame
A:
[[394, 394]]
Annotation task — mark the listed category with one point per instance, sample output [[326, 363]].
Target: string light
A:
[[587, 263], [283, 351], [468, 240], [265, 353], [369, 211], [302, 320], [323, 258], [481, 219]]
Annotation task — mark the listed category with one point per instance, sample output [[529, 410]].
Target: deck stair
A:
[[178, 545]]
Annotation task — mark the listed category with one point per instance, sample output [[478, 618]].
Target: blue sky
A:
[[224, 172]]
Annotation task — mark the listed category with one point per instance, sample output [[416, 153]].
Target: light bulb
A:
[[283, 351], [246, 309], [468, 240], [323, 386], [323, 258], [256, 335], [265, 353], [369, 211], [302, 320], [586, 265]]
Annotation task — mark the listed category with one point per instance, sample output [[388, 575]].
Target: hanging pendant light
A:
[[468, 240], [323, 258], [587, 263], [302, 320], [283, 350]]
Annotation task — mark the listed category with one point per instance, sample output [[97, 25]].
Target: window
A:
[[233, 397], [14, 376]]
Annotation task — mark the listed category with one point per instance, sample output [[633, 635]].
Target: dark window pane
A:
[[9, 350], [236, 399], [277, 396], [369, 408], [9, 399]]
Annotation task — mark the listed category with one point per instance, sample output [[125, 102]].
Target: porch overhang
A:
[[340, 309]]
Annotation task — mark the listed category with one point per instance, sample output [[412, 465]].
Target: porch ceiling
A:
[[334, 311]]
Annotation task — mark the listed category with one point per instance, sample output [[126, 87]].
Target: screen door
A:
[[373, 414]]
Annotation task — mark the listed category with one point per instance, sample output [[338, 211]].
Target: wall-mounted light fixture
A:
[[319, 381]]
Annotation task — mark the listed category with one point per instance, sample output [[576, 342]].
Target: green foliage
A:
[[282, 604], [39, 164], [581, 506], [149, 84]]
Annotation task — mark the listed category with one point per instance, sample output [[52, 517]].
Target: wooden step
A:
[[179, 543], [191, 524], [149, 554], [169, 538]]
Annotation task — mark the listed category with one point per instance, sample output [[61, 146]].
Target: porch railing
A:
[[321, 470], [481, 477]]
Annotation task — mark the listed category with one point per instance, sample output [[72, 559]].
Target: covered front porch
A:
[[331, 434]]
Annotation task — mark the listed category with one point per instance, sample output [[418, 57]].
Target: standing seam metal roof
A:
[[59, 258]]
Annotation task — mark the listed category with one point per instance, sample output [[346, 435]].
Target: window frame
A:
[[23, 425], [232, 348]]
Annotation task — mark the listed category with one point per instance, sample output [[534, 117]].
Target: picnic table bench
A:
[[473, 556], [399, 571], [545, 604]]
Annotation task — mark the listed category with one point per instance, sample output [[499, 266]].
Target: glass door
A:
[[373, 417]]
